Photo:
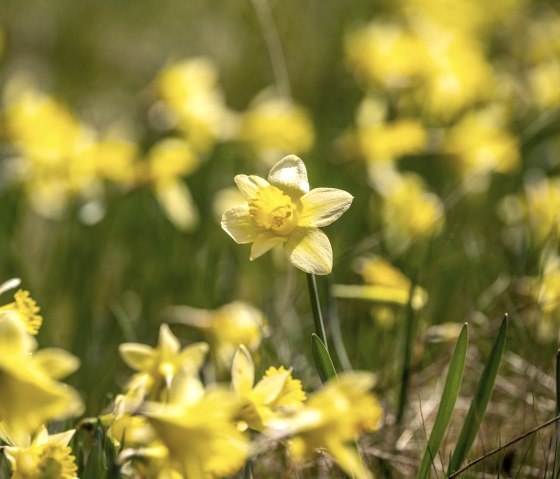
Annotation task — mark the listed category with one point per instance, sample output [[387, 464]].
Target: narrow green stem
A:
[[316, 309]]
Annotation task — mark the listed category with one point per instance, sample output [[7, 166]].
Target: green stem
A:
[[316, 309]]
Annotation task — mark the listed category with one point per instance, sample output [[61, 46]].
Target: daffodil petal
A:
[[322, 206], [347, 458], [269, 388], [137, 356], [290, 175], [167, 340], [237, 223], [265, 242], [177, 203], [249, 185], [56, 363], [193, 356], [242, 372], [309, 249]]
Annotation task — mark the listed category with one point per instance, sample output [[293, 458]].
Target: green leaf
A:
[[447, 404], [480, 401], [323, 361]]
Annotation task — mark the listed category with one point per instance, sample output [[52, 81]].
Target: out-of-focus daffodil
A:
[[480, 145], [29, 393], [274, 127], [225, 199], [384, 284], [157, 367], [46, 456], [225, 328], [190, 91], [276, 392], [284, 211], [542, 200], [167, 161], [331, 419], [26, 310], [199, 430], [113, 159], [409, 212]]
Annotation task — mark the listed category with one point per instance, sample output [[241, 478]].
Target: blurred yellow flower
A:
[[544, 79], [167, 161], [46, 456], [384, 284], [113, 159], [225, 328], [26, 310], [29, 393], [157, 367], [190, 91], [276, 393], [542, 200], [284, 211], [481, 145], [274, 127], [331, 419], [199, 431], [409, 212], [387, 54]]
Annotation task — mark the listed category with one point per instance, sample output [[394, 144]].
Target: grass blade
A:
[[322, 358], [448, 398], [480, 400]]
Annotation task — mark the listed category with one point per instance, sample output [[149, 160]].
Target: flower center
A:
[[274, 210]]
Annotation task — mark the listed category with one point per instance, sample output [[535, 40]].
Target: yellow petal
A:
[[249, 185], [176, 201], [137, 356], [61, 439], [290, 175], [238, 223], [192, 357], [167, 341], [347, 458], [265, 242], [269, 388], [14, 339], [322, 206], [309, 249], [56, 363], [242, 372]]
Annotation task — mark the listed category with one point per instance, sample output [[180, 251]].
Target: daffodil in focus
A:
[[46, 456], [277, 392], [225, 328], [157, 367], [331, 420], [26, 310], [284, 211], [383, 283], [198, 429], [276, 126], [29, 392]]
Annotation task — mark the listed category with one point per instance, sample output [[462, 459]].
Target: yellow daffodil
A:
[[199, 431], [276, 392], [26, 310], [158, 366], [167, 162], [275, 126], [542, 206], [384, 284], [29, 393], [46, 456], [225, 328], [284, 211], [189, 90], [331, 419]]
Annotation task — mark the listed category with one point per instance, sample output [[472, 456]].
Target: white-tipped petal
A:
[[322, 206], [290, 175], [237, 223], [309, 249]]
